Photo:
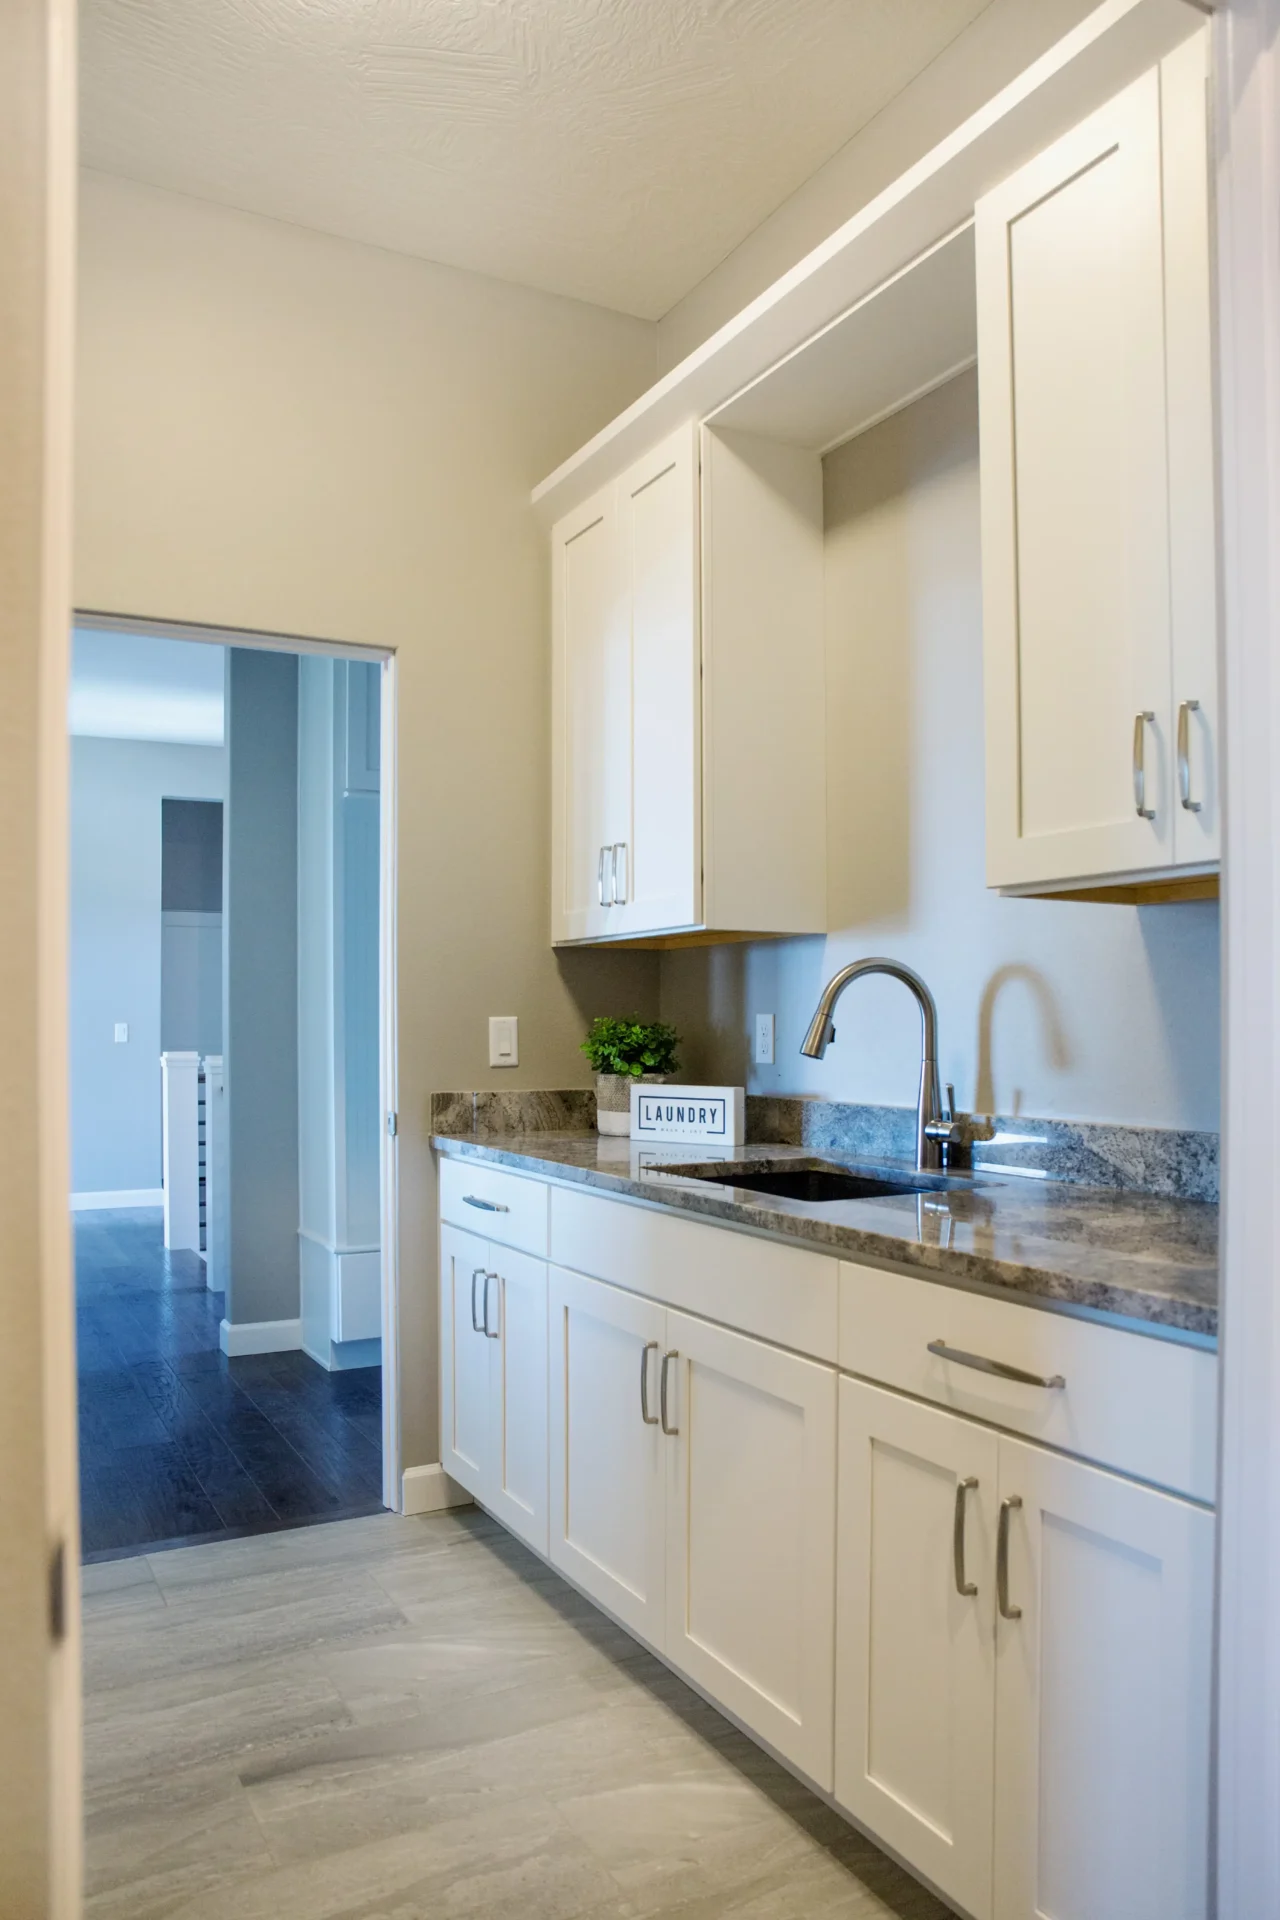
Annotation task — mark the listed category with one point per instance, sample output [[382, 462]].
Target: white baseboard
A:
[[430, 1490], [121, 1197], [260, 1336]]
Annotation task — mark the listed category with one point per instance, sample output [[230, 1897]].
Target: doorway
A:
[[232, 840]]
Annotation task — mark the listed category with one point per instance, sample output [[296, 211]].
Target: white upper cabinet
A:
[[1093, 277], [689, 780]]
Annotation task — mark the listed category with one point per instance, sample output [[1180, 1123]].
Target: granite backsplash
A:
[[1161, 1160]]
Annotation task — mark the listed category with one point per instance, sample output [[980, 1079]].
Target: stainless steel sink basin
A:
[[820, 1183]]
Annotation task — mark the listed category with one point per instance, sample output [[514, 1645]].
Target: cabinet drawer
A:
[[502, 1206], [783, 1294], [1144, 1406]]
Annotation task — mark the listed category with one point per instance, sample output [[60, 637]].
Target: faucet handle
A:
[[951, 1101]]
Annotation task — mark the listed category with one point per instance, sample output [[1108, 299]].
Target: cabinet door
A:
[[914, 1653], [660, 867], [518, 1492], [591, 800], [607, 1486], [751, 1534], [1192, 448], [465, 1416], [1102, 1697], [1075, 504]]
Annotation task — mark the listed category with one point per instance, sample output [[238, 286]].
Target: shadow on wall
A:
[[1057, 1053], [1183, 952]]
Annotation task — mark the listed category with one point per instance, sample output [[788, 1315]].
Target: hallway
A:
[[180, 1444], [411, 1719]]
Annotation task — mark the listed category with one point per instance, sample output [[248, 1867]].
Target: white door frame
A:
[[1247, 133], [388, 1154]]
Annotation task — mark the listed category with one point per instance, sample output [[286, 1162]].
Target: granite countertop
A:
[[1146, 1257]]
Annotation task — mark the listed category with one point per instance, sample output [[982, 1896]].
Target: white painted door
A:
[[517, 1493], [466, 1423], [660, 868], [1075, 504], [750, 1433], [592, 717], [607, 1465], [1192, 449], [1102, 1697], [915, 1654]]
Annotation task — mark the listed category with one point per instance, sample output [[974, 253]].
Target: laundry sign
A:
[[714, 1114]]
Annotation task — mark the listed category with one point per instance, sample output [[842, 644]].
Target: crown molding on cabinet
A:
[[884, 308]]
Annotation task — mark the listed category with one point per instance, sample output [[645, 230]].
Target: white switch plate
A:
[[764, 1039], [504, 1040], [122, 1032]]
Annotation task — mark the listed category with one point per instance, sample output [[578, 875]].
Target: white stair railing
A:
[[180, 1078], [215, 1173]]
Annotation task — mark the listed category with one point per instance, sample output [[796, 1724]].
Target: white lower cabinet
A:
[[915, 1640], [751, 1534], [994, 1656], [693, 1495], [607, 1466], [1037, 1747], [1102, 1697], [493, 1324]]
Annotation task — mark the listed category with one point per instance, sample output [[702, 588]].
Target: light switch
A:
[[764, 1039], [504, 1040], [122, 1032]]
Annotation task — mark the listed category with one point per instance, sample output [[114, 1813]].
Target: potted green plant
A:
[[627, 1053]]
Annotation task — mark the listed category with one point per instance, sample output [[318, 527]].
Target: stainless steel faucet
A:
[[934, 1131]]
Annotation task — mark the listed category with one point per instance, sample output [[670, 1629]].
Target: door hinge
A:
[[58, 1593], [393, 1124]]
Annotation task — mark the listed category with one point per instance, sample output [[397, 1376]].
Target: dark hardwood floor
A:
[[178, 1443]]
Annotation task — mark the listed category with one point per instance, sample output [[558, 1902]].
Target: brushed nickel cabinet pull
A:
[[963, 1586], [600, 877], [1140, 723], [1007, 1507], [618, 898], [667, 1358], [1001, 1368], [475, 1318], [650, 1419], [485, 1206], [491, 1333], [1185, 712]]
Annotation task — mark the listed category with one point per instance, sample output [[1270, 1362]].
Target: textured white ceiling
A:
[[614, 150]]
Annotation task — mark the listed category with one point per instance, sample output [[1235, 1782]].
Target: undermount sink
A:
[[816, 1183]]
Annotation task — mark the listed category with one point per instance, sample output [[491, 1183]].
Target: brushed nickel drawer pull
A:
[[1001, 1368], [485, 1206], [667, 1358], [1007, 1612], [475, 1318], [963, 1586], [650, 1419]]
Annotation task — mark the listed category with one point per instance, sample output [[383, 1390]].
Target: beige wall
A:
[[285, 432], [39, 1681], [1054, 1009]]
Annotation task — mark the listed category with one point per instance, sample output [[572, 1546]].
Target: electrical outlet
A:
[[764, 1039], [504, 1040], [122, 1033]]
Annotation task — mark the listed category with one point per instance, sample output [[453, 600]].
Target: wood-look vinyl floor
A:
[[415, 1719], [178, 1442]]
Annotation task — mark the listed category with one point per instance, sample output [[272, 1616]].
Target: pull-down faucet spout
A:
[[930, 1132]]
